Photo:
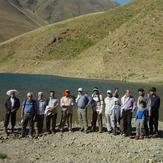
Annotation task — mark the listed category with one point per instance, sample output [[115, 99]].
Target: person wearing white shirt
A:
[[97, 106], [109, 106]]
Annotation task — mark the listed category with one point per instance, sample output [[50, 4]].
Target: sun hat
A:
[[95, 89], [10, 92]]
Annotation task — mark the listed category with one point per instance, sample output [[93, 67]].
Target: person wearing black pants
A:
[[12, 104], [154, 113], [127, 117], [128, 106], [51, 121]]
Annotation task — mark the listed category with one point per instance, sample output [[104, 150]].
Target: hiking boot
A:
[[114, 133], [136, 137], [12, 130], [61, 130], [86, 131], [141, 137], [6, 131], [109, 132], [30, 136], [53, 132], [22, 136]]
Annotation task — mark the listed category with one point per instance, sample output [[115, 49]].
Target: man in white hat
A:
[[82, 101], [12, 104]]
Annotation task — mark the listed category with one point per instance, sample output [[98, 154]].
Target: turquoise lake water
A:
[[24, 83]]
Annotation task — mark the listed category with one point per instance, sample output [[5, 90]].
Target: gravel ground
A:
[[79, 147]]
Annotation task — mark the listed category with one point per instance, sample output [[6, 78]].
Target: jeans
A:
[[28, 118], [139, 127], [82, 116], [116, 120]]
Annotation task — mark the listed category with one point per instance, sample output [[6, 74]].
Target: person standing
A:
[[51, 112], [28, 114], [41, 105], [12, 105], [97, 107], [141, 115], [146, 99], [154, 114], [82, 101], [116, 115], [109, 105], [128, 106], [116, 93], [67, 104]]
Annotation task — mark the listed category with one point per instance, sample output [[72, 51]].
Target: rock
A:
[[150, 161], [157, 152]]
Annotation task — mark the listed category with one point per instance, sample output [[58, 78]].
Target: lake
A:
[[27, 82]]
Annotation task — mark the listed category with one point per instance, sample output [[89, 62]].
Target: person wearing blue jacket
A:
[[29, 109], [82, 102], [141, 116]]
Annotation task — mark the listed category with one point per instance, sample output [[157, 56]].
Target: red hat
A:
[[66, 92]]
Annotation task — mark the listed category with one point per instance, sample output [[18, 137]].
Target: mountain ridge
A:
[[110, 45], [20, 16]]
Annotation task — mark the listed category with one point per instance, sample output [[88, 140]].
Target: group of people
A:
[[118, 112]]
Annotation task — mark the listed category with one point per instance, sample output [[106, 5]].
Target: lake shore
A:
[[79, 147]]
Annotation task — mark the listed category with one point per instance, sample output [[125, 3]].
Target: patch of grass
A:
[[69, 48]]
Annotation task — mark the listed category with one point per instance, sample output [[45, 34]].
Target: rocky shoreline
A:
[[79, 147]]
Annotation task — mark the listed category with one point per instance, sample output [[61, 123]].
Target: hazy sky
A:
[[122, 1]]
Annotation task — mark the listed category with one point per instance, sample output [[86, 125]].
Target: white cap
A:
[[80, 89], [109, 91]]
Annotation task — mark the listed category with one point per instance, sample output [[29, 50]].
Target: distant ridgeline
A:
[[20, 16]]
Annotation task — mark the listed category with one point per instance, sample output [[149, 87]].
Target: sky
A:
[[122, 1]]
